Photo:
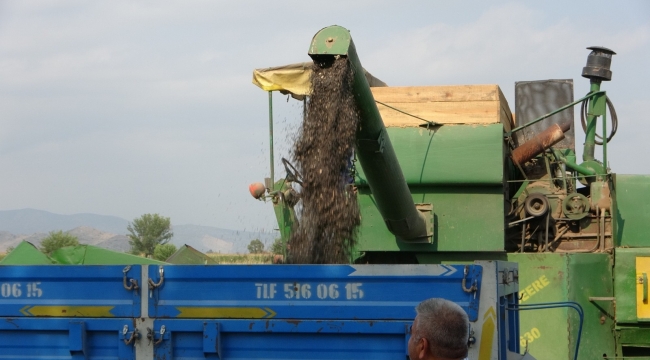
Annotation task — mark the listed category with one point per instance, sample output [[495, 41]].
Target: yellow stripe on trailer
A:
[[67, 311], [225, 312]]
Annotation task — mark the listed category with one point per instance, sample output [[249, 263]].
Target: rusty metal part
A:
[[162, 332], [582, 243], [542, 141], [575, 206], [153, 285], [134, 335], [473, 287], [133, 282]]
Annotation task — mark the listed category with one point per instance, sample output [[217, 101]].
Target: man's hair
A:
[[445, 325]]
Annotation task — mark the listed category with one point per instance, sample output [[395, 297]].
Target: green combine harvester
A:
[[449, 175]]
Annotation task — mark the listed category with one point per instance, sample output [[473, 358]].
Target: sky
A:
[[130, 107]]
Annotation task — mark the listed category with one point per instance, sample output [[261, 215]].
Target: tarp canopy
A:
[[93, 255], [27, 254], [188, 255], [294, 79]]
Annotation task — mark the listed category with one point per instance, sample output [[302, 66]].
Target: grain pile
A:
[[325, 143]]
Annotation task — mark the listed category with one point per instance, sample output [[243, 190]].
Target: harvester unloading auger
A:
[[448, 175], [408, 221], [373, 147]]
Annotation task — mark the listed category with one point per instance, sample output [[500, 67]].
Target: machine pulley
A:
[[536, 205]]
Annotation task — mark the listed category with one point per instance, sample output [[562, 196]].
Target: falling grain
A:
[[330, 213]]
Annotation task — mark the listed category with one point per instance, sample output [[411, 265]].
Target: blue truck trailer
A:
[[247, 311]]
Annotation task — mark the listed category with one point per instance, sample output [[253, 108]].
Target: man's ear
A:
[[422, 348]]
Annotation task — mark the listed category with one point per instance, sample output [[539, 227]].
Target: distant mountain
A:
[[116, 243], [29, 221], [110, 232], [8, 240], [91, 236]]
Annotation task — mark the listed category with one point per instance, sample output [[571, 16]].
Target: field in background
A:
[[242, 258]]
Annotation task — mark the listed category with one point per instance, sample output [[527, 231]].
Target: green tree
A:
[[162, 252], [277, 247], [255, 246], [56, 240], [147, 231]]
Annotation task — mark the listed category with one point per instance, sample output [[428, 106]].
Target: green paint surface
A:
[[466, 219], [542, 278], [285, 219], [633, 336], [625, 284], [331, 40], [590, 275], [554, 277], [632, 210], [284, 214], [26, 254], [459, 257], [449, 154], [93, 255]]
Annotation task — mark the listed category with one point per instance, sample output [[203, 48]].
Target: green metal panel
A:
[[625, 284], [590, 275], [632, 210], [543, 278], [553, 277], [633, 342], [634, 337], [285, 218], [466, 219], [450, 154], [459, 257], [284, 214]]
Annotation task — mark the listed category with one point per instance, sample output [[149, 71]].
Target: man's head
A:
[[439, 332]]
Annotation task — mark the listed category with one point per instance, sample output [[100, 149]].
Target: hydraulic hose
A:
[[612, 111]]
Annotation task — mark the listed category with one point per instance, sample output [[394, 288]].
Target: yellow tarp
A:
[[294, 79]]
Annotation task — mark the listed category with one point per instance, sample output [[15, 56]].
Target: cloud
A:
[[506, 40]]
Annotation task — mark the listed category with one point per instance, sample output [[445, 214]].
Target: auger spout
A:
[[373, 147]]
